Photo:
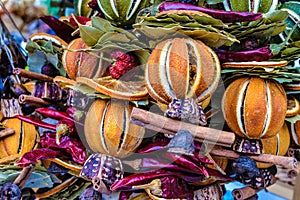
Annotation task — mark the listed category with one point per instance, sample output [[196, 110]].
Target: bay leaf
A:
[[89, 34], [102, 24]]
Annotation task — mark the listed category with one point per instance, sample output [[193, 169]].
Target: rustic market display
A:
[[152, 100]]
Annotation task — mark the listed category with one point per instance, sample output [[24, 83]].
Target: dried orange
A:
[[22, 141], [254, 107], [82, 64], [182, 68], [277, 145], [108, 130]]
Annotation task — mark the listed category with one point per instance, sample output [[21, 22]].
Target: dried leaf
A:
[[89, 34]]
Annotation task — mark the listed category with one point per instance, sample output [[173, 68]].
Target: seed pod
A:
[[107, 128], [254, 108], [103, 170], [81, 64], [210, 192], [21, 142], [182, 68]]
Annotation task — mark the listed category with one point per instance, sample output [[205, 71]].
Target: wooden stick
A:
[[286, 162], [32, 75], [34, 101], [7, 132], [162, 124], [244, 193]]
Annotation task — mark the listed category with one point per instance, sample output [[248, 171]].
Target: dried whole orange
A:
[[108, 130], [22, 141], [182, 68], [82, 64], [276, 145], [254, 107]]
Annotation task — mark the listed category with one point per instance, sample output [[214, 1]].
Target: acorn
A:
[[254, 107], [182, 68], [108, 130]]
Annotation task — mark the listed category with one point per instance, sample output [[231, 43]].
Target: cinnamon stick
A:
[[24, 175], [162, 124], [294, 152], [6, 132], [34, 101], [244, 193], [286, 162], [293, 173], [32, 75]]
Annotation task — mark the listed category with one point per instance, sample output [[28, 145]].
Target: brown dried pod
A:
[[103, 170]]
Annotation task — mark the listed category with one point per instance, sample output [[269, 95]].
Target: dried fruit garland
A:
[[96, 90]]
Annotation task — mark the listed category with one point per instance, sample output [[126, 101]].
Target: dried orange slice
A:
[[126, 90], [293, 106], [48, 37], [252, 64]]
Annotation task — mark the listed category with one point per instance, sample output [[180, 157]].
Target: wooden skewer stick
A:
[[166, 125]]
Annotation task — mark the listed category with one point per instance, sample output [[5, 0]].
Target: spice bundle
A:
[[152, 100]]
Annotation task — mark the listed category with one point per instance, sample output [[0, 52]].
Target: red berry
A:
[[123, 63]]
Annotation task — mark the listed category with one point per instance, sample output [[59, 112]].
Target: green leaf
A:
[[293, 119], [36, 61], [48, 47], [102, 24], [89, 34], [32, 46], [39, 180], [277, 15], [212, 2]]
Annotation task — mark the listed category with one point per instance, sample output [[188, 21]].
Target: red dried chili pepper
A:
[[74, 113], [33, 156], [127, 183], [36, 122], [259, 54], [56, 114], [225, 16], [184, 161], [71, 146], [62, 30], [155, 164]]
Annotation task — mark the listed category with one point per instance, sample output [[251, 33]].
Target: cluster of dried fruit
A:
[[153, 100]]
